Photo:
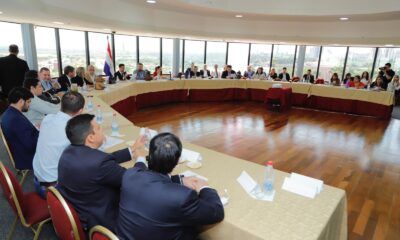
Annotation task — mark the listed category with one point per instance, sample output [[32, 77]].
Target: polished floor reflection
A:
[[358, 154]]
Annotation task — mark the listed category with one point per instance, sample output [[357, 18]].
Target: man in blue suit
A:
[[153, 207], [19, 132]]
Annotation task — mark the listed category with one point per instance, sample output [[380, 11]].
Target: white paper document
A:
[[111, 142], [189, 173], [152, 132], [303, 185], [252, 188], [190, 156]]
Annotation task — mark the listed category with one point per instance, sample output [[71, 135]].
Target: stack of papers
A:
[[303, 185], [190, 156], [189, 173], [152, 132], [252, 188], [110, 142], [276, 85]]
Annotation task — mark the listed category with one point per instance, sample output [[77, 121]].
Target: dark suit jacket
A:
[[202, 73], [64, 82], [78, 80], [21, 137], [90, 180], [189, 73], [152, 206], [12, 71], [311, 77], [225, 73], [120, 76], [281, 76]]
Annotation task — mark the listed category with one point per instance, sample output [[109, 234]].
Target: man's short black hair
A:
[[19, 93], [31, 74], [78, 128], [44, 69], [121, 65], [164, 153], [388, 64], [72, 102], [140, 64], [13, 49], [229, 66], [309, 70], [284, 68], [357, 76], [30, 82], [68, 69]]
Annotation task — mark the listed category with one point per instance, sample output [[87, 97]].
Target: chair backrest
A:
[[12, 191], [65, 219], [101, 233], [296, 79], [320, 81], [7, 147]]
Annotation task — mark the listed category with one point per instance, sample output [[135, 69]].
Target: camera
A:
[[383, 68]]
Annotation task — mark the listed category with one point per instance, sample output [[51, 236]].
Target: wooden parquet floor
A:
[[358, 154]]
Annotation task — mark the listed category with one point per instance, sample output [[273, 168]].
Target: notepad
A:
[[189, 173], [111, 142], [190, 156], [152, 132], [303, 185], [251, 187]]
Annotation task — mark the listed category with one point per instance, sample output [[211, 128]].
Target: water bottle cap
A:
[[269, 163]]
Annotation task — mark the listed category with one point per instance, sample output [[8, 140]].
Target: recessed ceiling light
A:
[[60, 23], [1, 12], [238, 16], [106, 29], [344, 18], [389, 45], [151, 1]]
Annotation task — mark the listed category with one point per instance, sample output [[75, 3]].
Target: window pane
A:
[[360, 60], [72, 45], [388, 55], [125, 52], [283, 57], [260, 56], [149, 49], [310, 59], [181, 67], [98, 50], [238, 55], [168, 45], [13, 36], [45, 40], [194, 53], [216, 54], [332, 61]]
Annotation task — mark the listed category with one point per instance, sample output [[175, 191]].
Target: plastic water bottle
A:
[[99, 115], [90, 104], [268, 184], [368, 86], [114, 125]]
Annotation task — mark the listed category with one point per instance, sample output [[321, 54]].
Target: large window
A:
[[388, 55], [194, 53], [167, 54], [311, 56], [283, 57], [360, 60], [11, 34], [238, 55], [45, 40], [332, 61], [98, 50], [260, 56], [149, 52], [72, 45], [216, 54], [125, 52]]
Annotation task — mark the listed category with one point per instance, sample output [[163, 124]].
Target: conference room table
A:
[[288, 216]]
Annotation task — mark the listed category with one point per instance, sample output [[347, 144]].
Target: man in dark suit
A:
[[153, 207], [12, 70], [284, 76], [121, 74], [19, 132], [205, 73], [65, 80], [309, 78], [229, 73]]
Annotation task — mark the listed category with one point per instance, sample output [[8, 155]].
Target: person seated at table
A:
[[205, 73], [65, 80], [349, 82], [139, 73], [53, 140], [394, 85], [90, 75], [31, 74], [79, 79], [190, 72], [308, 77], [216, 73], [356, 83], [346, 78], [248, 74], [50, 87], [365, 78], [38, 108], [335, 80], [260, 74], [229, 73], [121, 74], [153, 207], [157, 73], [378, 84], [19, 132], [283, 76], [272, 74]]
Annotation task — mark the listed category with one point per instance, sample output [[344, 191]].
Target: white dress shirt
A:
[[51, 143], [39, 108]]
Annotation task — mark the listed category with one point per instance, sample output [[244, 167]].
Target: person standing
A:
[[12, 70]]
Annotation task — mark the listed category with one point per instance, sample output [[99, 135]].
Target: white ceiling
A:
[[372, 22]]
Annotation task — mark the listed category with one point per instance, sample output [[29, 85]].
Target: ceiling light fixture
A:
[[238, 16], [106, 29], [59, 23], [151, 1], [389, 45], [344, 18], [1, 12]]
